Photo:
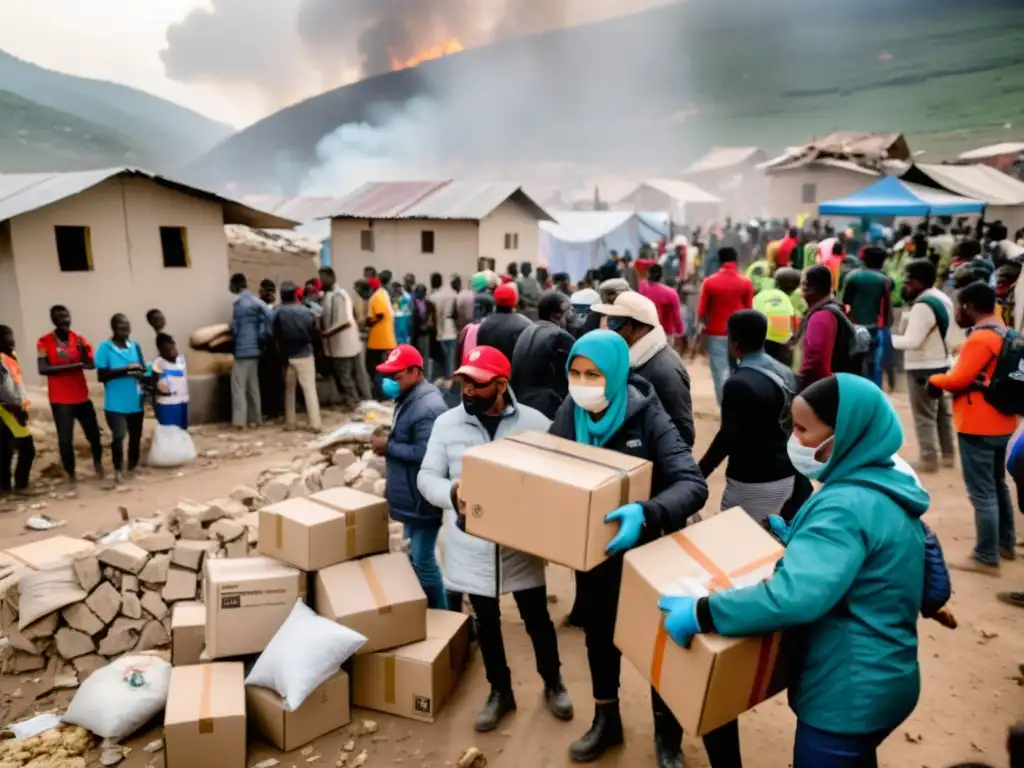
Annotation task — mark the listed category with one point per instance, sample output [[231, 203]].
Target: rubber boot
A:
[[668, 741], [604, 733], [499, 704]]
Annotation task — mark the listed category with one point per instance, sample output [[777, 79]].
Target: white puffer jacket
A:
[[469, 562]]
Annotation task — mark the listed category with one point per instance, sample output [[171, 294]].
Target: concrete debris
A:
[[354, 471], [343, 458], [181, 585], [154, 605], [472, 758], [71, 643], [246, 495], [360, 759], [226, 530], [105, 602], [369, 726], [87, 571], [155, 572], [281, 487], [131, 606], [79, 616], [189, 554], [333, 477], [154, 541], [125, 556]]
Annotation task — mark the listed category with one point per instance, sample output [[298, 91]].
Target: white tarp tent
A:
[[1003, 194], [578, 241]]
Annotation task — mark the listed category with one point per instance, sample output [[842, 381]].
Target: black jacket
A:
[[501, 331], [678, 489], [539, 367], [414, 418], [672, 384]]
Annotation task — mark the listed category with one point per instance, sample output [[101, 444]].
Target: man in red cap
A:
[[418, 403], [490, 411], [503, 329]]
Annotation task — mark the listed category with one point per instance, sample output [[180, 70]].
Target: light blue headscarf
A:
[[610, 354]]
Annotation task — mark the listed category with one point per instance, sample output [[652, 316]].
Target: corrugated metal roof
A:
[[453, 200], [981, 182], [24, 192], [301, 209], [680, 191], [796, 161], [721, 158], [994, 150]]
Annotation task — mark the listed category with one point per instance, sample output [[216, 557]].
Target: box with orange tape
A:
[[326, 528], [717, 678], [416, 680], [379, 597], [204, 721]]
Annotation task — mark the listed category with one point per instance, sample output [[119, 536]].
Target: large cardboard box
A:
[[416, 680], [326, 709], [46, 553], [717, 678], [379, 597], [204, 722], [331, 527], [247, 601], [188, 633], [547, 496]]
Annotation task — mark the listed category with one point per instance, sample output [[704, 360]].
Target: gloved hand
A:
[[681, 621], [631, 522], [780, 528]]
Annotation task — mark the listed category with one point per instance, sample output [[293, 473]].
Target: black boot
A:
[[605, 733], [668, 741], [558, 701], [499, 704]]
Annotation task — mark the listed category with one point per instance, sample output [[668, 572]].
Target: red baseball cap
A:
[[402, 357], [506, 295], [484, 365]]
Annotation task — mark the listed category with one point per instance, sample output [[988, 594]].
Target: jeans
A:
[[533, 608], [64, 418], [375, 357], [301, 371], [344, 371], [422, 543], [125, 425], [874, 361], [931, 418], [245, 392], [718, 358], [983, 459], [821, 749], [449, 356], [25, 448]]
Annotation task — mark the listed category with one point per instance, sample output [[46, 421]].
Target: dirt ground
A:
[[972, 676]]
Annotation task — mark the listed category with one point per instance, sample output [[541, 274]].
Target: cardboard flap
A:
[[205, 692], [346, 499], [302, 511], [219, 570]]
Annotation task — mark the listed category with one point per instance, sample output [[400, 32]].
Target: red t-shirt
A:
[[667, 301], [722, 295], [785, 254], [67, 387]]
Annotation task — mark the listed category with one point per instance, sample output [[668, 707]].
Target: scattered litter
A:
[[38, 505], [268, 763], [112, 755], [312, 759], [154, 746], [349, 746], [987, 634], [360, 759], [472, 758], [307, 751], [913, 738], [44, 523], [369, 726], [26, 729]]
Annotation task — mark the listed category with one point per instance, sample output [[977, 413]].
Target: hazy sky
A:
[[117, 40]]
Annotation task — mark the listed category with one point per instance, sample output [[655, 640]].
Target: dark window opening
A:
[[427, 241], [809, 193], [366, 240], [74, 249], [174, 244]]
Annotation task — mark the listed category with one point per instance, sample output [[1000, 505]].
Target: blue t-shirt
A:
[[121, 395]]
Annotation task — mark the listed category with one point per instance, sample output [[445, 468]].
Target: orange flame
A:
[[428, 54]]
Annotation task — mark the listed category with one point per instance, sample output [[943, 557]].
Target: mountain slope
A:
[[37, 138], [164, 134], [656, 89]]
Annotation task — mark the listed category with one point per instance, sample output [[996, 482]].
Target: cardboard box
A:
[[573, 486], [247, 601], [717, 678], [331, 527], [204, 722], [188, 633], [379, 597], [416, 680], [46, 553], [326, 709]]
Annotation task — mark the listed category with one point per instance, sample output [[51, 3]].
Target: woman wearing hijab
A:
[[609, 408], [849, 586]]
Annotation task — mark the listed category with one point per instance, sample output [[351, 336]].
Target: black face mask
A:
[[478, 406]]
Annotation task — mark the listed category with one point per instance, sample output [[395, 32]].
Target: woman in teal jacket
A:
[[849, 587]]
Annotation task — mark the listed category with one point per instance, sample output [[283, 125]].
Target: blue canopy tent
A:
[[894, 197]]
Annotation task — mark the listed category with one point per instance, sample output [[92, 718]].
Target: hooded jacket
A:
[[678, 489], [473, 565], [849, 586], [411, 427], [539, 366], [664, 369]]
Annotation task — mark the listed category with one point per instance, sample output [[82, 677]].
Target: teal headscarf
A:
[[610, 354], [868, 434], [478, 282]]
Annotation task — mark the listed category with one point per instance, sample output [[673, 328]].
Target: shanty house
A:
[[1002, 193], [114, 240], [685, 203], [433, 226], [732, 174], [1007, 156]]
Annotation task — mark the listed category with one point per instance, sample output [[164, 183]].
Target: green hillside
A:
[[37, 138]]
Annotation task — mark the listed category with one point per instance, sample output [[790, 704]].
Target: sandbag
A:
[[118, 699], [204, 336], [172, 446], [43, 592]]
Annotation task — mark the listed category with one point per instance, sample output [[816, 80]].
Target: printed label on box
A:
[[422, 704]]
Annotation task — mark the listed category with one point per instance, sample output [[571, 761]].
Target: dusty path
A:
[[971, 692]]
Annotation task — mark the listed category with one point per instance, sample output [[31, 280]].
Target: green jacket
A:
[[850, 583]]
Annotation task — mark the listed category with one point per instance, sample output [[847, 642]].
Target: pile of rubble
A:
[[113, 595]]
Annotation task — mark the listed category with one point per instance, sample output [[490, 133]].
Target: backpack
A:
[[1005, 389], [941, 317], [852, 341]]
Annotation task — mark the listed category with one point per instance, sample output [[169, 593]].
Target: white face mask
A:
[[590, 399], [803, 458]]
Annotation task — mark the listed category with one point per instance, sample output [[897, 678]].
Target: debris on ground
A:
[[44, 523], [64, 746], [369, 726], [268, 763], [154, 746], [472, 758]]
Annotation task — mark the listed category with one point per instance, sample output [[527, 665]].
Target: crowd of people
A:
[[797, 342]]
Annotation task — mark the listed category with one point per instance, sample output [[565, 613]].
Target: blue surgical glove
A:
[[779, 527], [681, 621], [631, 522]]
